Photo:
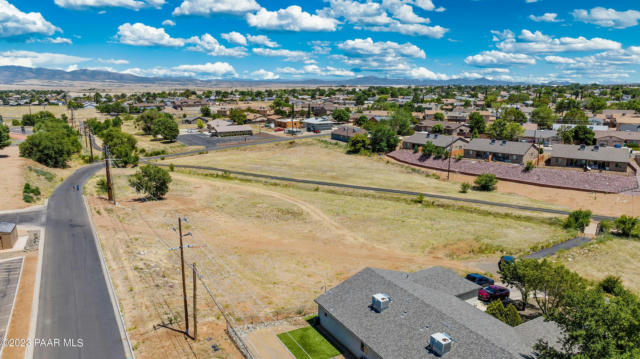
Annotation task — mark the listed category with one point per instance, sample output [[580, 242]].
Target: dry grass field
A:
[[149, 144], [16, 112], [267, 250]]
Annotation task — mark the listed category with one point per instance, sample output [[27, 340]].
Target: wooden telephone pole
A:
[[91, 146], [195, 301], [184, 284], [109, 183]]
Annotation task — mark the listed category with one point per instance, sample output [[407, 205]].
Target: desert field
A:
[[326, 161], [149, 144], [16, 112], [266, 250]]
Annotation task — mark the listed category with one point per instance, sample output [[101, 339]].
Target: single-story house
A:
[[273, 118], [8, 235], [616, 138], [231, 130], [501, 150], [629, 127], [317, 124], [450, 128], [287, 123], [557, 126], [381, 313], [344, 133], [453, 144], [596, 157], [545, 137], [218, 123]]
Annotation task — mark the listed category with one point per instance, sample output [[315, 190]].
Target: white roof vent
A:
[[380, 302], [440, 343]]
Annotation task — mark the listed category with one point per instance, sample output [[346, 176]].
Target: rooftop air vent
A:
[[440, 343], [435, 136], [582, 147], [493, 141], [504, 142], [380, 302], [596, 147]]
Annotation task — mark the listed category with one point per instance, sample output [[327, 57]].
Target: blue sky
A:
[[516, 40]]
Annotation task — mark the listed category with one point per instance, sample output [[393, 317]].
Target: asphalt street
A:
[[74, 302], [34, 217], [554, 249]]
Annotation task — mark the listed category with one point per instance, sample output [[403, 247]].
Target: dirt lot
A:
[[266, 251], [149, 144], [16, 112]]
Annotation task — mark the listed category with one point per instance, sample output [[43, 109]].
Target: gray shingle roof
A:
[[6, 227], [349, 131], [590, 153], [498, 146], [623, 135], [420, 138], [540, 134], [416, 312]]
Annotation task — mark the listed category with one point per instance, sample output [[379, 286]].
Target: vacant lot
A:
[[16, 112], [326, 161], [618, 257], [150, 145], [267, 250]]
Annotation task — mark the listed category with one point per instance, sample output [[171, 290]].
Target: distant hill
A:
[[16, 74]]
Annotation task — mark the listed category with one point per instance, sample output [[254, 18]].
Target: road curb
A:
[[35, 303], [28, 209], [114, 299]]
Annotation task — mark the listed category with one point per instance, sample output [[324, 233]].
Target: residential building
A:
[[450, 128], [544, 137], [287, 123], [502, 151], [344, 133], [192, 120], [381, 313], [231, 130], [317, 124], [617, 138], [455, 145], [8, 235], [593, 157]]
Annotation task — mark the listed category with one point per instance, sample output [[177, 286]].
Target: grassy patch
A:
[[308, 343]]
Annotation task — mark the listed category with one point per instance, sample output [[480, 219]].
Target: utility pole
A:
[[195, 301], [91, 146], [84, 128], [449, 165], [184, 284], [109, 184]]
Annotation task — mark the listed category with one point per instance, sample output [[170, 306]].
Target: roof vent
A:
[[596, 147], [504, 142], [428, 135], [380, 302], [493, 142], [435, 136], [582, 147], [440, 343]]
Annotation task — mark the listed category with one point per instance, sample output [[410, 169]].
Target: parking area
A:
[[203, 139]]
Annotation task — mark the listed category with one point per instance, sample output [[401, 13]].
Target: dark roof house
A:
[[420, 305], [421, 138]]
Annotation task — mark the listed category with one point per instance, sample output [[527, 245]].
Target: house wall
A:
[[7, 240], [235, 133], [611, 141], [344, 336], [604, 165], [319, 126], [530, 155]]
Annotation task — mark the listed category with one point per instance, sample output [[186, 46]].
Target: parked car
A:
[[493, 292], [505, 260], [316, 131], [278, 129], [479, 279]]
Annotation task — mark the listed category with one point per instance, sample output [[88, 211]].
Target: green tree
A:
[[544, 117], [148, 117], [383, 139], [486, 182], [565, 133], [341, 115], [121, 145], [401, 121], [165, 127], [359, 143], [361, 121], [152, 180], [205, 111], [520, 275], [5, 140], [477, 123], [437, 128], [514, 115], [626, 225], [51, 148], [428, 149], [439, 116], [596, 104], [578, 219], [576, 116], [583, 135], [200, 124]]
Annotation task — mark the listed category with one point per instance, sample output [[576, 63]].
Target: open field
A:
[[16, 112], [618, 257], [326, 161], [149, 144], [267, 250]]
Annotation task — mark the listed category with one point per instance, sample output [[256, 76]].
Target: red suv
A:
[[493, 292]]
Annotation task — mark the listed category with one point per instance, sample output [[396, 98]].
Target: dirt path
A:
[[12, 178], [21, 318]]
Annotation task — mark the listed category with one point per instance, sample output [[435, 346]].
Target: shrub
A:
[[151, 180], [464, 187], [5, 140], [171, 167], [578, 219], [102, 186], [359, 144], [529, 166], [605, 226], [611, 285], [626, 224], [509, 315], [16, 123], [486, 182]]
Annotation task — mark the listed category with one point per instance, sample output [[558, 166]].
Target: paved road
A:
[[201, 139], [387, 190], [554, 249], [74, 302], [32, 217]]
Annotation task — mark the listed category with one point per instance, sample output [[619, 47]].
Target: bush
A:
[[5, 140], [529, 166], [51, 148], [383, 139], [578, 220], [102, 186], [486, 182], [464, 187], [16, 123], [359, 144], [30, 193], [611, 285], [171, 167], [625, 225], [151, 180], [508, 315]]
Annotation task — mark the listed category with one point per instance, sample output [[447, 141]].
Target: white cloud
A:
[[14, 22], [290, 19], [209, 44], [131, 4], [235, 37], [608, 17], [403, 12], [370, 13], [317, 70], [158, 72], [559, 60], [59, 40], [265, 75], [537, 42], [168, 23], [262, 40], [217, 69], [547, 17], [38, 59], [389, 48], [499, 58], [436, 32], [113, 61], [140, 34], [289, 55], [207, 7], [423, 73]]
